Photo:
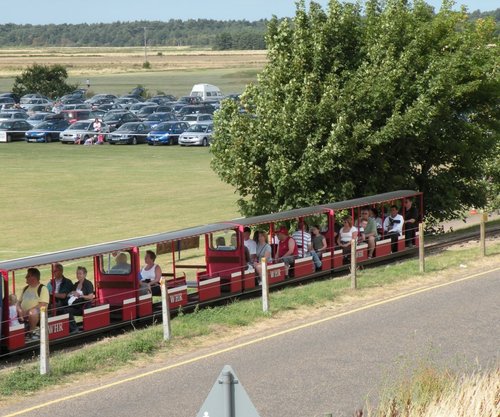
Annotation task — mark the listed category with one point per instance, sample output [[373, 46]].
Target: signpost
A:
[[227, 398]]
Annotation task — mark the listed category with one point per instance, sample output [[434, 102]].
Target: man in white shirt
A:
[[304, 244], [393, 227], [250, 244]]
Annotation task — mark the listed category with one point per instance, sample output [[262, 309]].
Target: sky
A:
[[96, 11]]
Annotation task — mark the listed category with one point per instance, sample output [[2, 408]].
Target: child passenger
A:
[[13, 320]]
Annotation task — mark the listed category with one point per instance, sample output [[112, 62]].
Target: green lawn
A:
[[58, 196]]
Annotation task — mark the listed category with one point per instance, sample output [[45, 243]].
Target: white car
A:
[[199, 134]]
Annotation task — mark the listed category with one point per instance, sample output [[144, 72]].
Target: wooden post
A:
[[354, 283], [482, 240], [421, 255], [44, 342], [165, 309], [265, 285]]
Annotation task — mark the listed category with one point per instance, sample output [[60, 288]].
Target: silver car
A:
[[80, 131], [199, 134], [197, 118]]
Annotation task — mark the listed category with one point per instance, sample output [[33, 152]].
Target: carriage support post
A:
[[165, 310], [265, 286], [482, 233], [44, 342], [421, 254]]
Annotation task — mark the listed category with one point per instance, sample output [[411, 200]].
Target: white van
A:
[[206, 92]]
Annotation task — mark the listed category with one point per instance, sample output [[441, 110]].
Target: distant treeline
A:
[[217, 34]]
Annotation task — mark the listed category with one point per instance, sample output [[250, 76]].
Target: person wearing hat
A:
[[287, 248]]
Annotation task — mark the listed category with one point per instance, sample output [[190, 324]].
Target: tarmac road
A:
[[329, 365]]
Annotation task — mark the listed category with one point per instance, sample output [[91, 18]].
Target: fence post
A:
[[421, 246], [165, 309], [482, 240], [44, 342], [354, 283], [265, 285]]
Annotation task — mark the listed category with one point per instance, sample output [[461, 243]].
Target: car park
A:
[[114, 119], [47, 131], [199, 134], [129, 133], [197, 118], [156, 118], [80, 131], [167, 133], [11, 130]]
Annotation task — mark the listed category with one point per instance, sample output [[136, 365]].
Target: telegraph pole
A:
[[145, 44]]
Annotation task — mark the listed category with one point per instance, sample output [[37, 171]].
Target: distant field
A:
[[117, 70], [58, 196]]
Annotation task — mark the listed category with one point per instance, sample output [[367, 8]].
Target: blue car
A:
[[167, 133], [47, 131]]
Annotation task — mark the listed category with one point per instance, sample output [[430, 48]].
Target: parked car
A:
[[14, 96], [130, 133], [73, 116], [196, 108], [28, 104], [7, 100], [167, 133], [13, 115], [39, 118], [80, 131], [114, 119], [199, 134], [145, 111], [156, 118], [13, 130], [197, 118], [37, 108], [27, 97], [47, 131], [99, 99], [126, 102], [134, 108]]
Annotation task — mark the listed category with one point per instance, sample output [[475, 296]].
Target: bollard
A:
[[165, 309], [354, 283], [265, 286], [421, 253], [482, 240], [44, 342]]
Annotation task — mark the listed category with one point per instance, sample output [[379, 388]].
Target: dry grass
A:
[[434, 393]]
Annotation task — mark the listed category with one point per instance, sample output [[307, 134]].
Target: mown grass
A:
[[113, 353]]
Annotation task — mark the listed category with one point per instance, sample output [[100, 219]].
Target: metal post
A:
[[44, 342], [227, 381], [145, 45], [165, 309], [354, 283], [265, 285], [482, 240], [421, 246]]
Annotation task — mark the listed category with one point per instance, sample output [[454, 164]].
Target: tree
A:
[[49, 80], [351, 105]]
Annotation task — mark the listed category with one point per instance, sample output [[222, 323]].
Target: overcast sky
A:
[[92, 11]]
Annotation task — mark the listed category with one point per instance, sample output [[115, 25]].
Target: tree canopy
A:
[[354, 102], [49, 80]]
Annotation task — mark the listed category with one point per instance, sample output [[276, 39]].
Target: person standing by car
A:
[[97, 126]]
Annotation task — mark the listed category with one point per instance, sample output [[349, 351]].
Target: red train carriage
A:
[[218, 269]]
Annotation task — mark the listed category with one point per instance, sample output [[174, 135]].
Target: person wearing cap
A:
[[287, 248]]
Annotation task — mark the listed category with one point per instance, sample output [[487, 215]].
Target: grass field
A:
[[118, 70], [58, 196]]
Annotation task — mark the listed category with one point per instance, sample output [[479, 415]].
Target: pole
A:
[[145, 45], [265, 285], [354, 283], [227, 380], [482, 240], [44, 342], [165, 310], [421, 246]]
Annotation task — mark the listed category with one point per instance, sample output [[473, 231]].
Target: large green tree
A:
[[49, 80], [354, 102]]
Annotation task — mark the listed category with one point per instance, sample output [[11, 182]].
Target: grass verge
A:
[[188, 330]]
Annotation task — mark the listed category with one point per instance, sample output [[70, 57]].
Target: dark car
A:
[[167, 133], [114, 119], [196, 108], [14, 96], [39, 118], [158, 117], [13, 130], [47, 131], [145, 111], [130, 133]]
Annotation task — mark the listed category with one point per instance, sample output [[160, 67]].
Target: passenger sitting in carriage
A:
[[287, 248], [346, 234], [263, 251], [393, 227], [367, 230]]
